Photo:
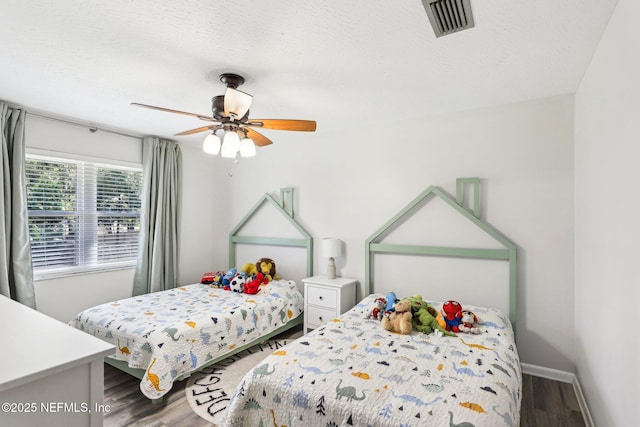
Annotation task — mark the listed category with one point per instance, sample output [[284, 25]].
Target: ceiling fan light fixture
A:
[[211, 144], [236, 103], [230, 144], [230, 114], [247, 147]]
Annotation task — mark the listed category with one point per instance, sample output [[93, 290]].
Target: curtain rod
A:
[[92, 128]]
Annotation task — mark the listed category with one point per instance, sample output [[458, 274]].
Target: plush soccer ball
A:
[[237, 283]]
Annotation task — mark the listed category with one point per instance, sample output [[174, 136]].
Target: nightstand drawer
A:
[[322, 297], [319, 316], [325, 299]]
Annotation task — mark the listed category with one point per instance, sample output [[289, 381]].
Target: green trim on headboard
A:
[[373, 245], [286, 209], [476, 193]]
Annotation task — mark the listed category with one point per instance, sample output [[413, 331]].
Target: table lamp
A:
[[331, 248]]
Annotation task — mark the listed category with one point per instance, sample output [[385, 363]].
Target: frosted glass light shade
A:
[[230, 144], [211, 144], [236, 103], [247, 147]]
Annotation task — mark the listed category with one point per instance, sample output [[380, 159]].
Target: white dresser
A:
[[326, 299], [50, 373]]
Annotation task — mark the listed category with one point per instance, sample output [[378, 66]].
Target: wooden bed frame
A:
[[374, 246], [306, 241]]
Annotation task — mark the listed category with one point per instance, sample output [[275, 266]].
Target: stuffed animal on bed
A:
[[213, 279], [252, 287], [450, 316], [217, 279], [249, 270], [236, 284], [468, 322], [424, 317], [376, 308], [400, 320], [228, 276], [267, 266], [391, 303], [207, 278]]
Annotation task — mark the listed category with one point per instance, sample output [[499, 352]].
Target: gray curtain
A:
[[16, 273], [157, 267]]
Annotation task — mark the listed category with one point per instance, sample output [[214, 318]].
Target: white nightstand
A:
[[325, 299]]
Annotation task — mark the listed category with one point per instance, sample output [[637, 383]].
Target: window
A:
[[83, 215]]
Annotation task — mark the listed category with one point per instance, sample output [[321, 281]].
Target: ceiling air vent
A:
[[448, 16]]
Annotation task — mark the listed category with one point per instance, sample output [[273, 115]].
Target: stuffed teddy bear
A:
[[424, 317], [376, 308], [400, 320], [267, 266], [468, 322], [253, 286], [450, 316]]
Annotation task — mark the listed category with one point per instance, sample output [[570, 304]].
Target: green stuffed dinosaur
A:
[[424, 317]]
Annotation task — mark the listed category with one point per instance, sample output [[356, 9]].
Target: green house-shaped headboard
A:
[[285, 207], [508, 253]]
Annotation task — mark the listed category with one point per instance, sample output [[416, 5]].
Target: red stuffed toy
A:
[[253, 286], [450, 317]]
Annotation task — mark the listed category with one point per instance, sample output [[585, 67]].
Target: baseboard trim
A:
[[565, 377], [548, 373], [586, 414]]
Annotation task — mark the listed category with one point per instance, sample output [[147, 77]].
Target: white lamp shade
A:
[[230, 144], [247, 147], [236, 103], [331, 247], [211, 144]]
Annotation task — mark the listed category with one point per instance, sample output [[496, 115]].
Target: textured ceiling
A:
[[342, 63]]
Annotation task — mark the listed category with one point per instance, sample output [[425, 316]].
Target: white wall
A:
[[204, 219], [349, 184], [607, 228]]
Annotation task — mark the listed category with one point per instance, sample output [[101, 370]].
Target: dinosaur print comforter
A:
[[352, 372], [174, 332]]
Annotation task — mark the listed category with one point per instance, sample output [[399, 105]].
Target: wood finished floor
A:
[[549, 403], [545, 403]]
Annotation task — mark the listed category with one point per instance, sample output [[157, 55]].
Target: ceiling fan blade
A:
[[259, 139], [282, 124], [196, 130], [236, 103], [168, 110]]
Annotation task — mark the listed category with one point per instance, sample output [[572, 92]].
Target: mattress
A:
[[353, 372], [172, 333]]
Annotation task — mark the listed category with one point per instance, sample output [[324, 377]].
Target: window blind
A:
[[82, 215]]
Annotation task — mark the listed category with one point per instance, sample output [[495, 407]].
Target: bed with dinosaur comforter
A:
[[169, 334], [352, 372]]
